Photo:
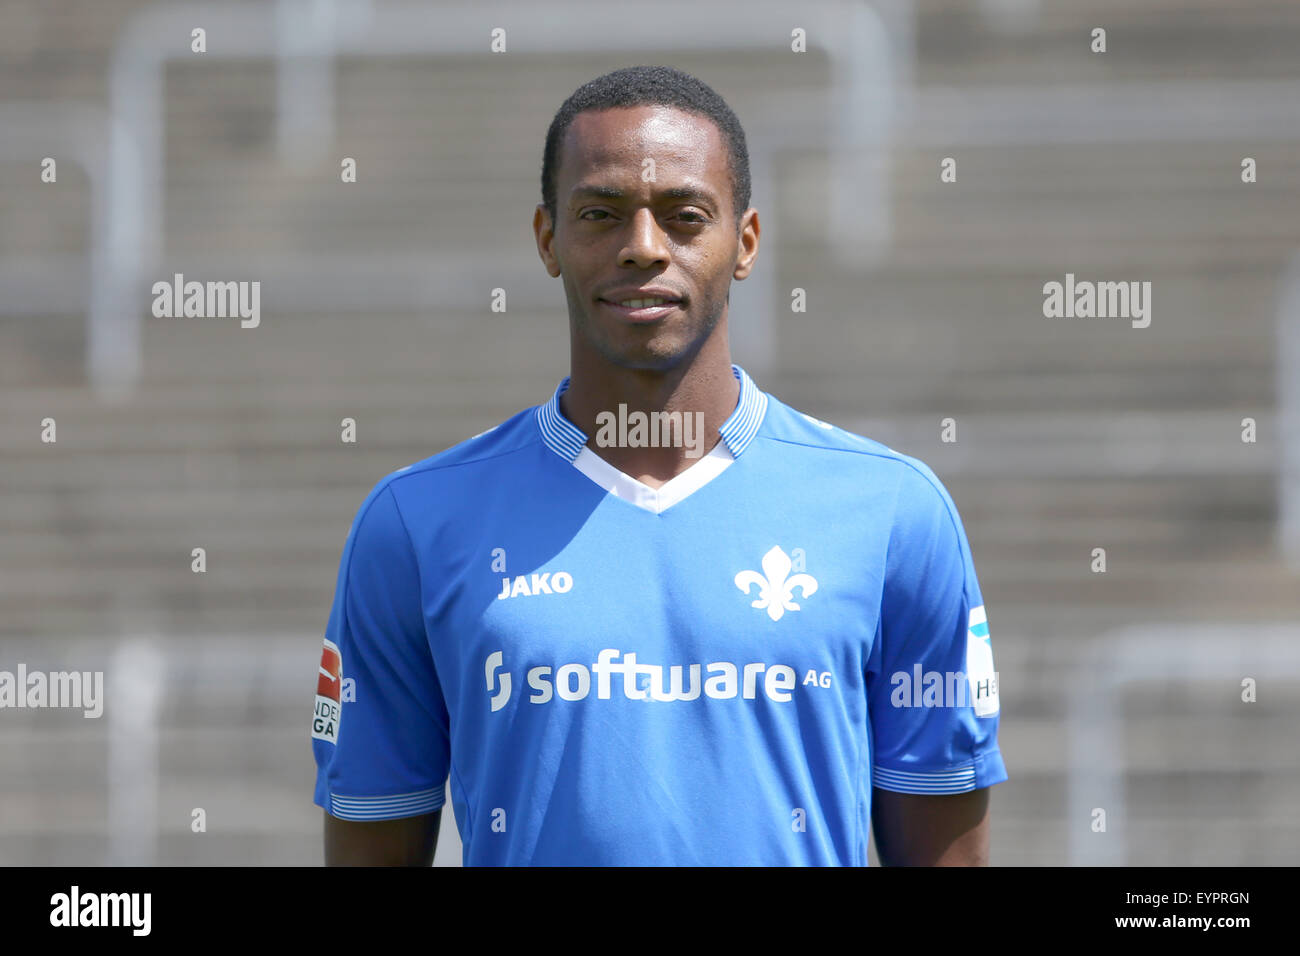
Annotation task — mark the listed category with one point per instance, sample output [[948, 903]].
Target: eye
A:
[[585, 214]]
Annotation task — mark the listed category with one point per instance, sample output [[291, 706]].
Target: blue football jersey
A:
[[713, 672]]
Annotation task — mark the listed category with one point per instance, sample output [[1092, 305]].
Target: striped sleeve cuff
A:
[[903, 781], [987, 770], [391, 807]]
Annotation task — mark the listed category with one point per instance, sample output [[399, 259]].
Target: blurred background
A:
[[1121, 690]]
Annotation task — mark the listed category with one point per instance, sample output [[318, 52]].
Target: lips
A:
[[642, 313], [649, 304]]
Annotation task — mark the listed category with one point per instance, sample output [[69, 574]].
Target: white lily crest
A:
[[776, 590]]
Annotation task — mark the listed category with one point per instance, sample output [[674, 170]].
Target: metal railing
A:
[[851, 34], [1144, 655]]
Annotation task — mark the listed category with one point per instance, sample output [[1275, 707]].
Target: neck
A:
[[702, 393]]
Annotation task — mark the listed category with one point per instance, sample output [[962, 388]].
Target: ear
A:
[[544, 233], [747, 243]]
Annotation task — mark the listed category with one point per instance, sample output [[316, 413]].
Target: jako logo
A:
[[573, 681], [558, 583]]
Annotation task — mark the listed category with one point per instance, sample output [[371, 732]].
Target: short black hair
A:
[[650, 86]]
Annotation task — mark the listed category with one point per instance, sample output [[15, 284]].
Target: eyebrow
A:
[[672, 192]]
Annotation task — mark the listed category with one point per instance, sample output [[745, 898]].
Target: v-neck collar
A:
[[570, 442], [655, 500]]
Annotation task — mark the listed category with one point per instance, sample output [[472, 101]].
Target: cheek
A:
[[714, 276]]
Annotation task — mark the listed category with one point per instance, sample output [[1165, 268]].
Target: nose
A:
[[646, 243]]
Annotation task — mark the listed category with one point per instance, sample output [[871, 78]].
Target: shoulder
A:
[[474, 455], [463, 464], [916, 482], [922, 505]]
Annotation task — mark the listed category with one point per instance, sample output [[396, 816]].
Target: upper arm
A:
[[387, 755], [931, 688], [409, 841], [927, 830]]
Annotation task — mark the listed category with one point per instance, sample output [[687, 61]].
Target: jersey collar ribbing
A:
[[567, 440]]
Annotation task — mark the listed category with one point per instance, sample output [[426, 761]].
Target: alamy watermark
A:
[[208, 300], [1084, 299], [76, 909], [38, 689], [626, 429], [945, 689]]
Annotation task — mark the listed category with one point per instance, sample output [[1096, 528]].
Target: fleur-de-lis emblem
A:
[[776, 591]]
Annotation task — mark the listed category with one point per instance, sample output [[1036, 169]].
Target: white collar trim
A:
[[654, 500]]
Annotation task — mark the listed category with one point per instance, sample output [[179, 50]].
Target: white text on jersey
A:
[[573, 681]]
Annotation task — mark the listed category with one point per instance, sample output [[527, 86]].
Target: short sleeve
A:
[[380, 727], [931, 686]]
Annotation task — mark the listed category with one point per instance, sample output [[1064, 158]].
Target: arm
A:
[[928, 830], [934, 739], [381, 732], [409, 841]]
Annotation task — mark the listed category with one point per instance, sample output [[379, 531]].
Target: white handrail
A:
[[851, 34], [84, 135], [1223, 652], [1288, 414]]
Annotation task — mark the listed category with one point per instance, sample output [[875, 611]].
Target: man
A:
[[737, 636]]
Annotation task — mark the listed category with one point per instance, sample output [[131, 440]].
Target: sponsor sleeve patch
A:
[[329, 682], [979, 664]]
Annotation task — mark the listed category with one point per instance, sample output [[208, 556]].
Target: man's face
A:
[[643, 201]]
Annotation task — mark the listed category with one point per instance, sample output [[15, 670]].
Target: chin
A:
[[648, 357]]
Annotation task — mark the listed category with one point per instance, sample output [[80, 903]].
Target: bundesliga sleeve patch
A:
[[979, 664], [325, 721]]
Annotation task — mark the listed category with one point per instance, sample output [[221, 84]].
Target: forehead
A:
[[620, 139]]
